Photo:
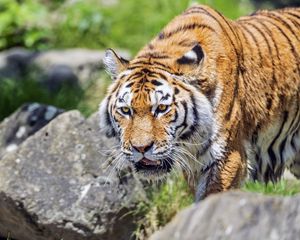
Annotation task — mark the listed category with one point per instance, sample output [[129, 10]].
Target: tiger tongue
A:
[[146, 161]]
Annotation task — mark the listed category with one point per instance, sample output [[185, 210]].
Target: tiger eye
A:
[[162, 107], [125, 109]]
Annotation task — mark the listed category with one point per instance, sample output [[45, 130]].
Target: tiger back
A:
[[216, 98]]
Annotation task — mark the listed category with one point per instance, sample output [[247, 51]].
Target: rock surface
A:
[[27, 120], [54, 186], [236, 216], [54, 68]]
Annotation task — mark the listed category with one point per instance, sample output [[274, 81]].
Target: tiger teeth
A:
[[151, 163]]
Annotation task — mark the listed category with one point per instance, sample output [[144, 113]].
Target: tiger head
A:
[[161, 104]]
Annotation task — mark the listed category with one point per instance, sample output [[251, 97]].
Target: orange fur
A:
[[250, 73]]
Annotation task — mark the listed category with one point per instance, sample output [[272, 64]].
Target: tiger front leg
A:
[[222, 175]]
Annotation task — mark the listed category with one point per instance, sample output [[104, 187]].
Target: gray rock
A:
[[14, 62], [65, 64], [55, 68], [59, 76], [55, 186], [26, 121], [236, 216]]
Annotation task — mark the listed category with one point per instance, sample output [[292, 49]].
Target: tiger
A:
[[213, 97]]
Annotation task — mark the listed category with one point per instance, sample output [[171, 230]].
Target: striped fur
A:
[[230, 94]]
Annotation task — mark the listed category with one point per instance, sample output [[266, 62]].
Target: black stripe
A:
[[161, 35], [192, 26], [296, 121], [160, 75], [161, 64], [291, 127], [134, 67], [270, 148], [197, 49], [142, 63], [192, 128], [292, 14], [192, 12], [183, 87], [166, 97], [187, 134], [123, 76], [270, 54], [295, 54], [255, 41], [246, 40], [228, 115], [272, 37], [183, 124], [269, 103], [186, 43], [155, 55], [117, 89], [184, 60], [232, 30], [150, 46], [195, 112], [235, 93], [175, 117], [295, 23], [295, 11], [156, 83], [111, 132], [295, 131], [129, 85], [207, 13], [282, 21]]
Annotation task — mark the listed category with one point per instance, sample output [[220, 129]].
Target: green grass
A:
[[164, 201], [171, 196], [16, 92], [282, 188]]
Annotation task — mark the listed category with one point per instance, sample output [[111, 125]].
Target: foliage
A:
[[284, 188], [63, 24], [80, 24], [168, 198], [276, 3], [15, 93], [128, 24], [164, 201], [22, 23]]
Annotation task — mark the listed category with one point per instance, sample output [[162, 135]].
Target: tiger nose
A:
[[143, 149]]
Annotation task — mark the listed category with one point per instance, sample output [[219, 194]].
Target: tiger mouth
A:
[[145, 164]]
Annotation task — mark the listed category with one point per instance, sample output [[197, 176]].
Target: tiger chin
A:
[[216, 98]]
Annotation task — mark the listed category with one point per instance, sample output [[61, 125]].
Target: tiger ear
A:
[[113, 63], [193, 56]]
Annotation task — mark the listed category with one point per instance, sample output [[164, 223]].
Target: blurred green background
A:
[[95, 24]]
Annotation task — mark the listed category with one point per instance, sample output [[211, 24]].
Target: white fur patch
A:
[[160, 91], [191, 55]]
